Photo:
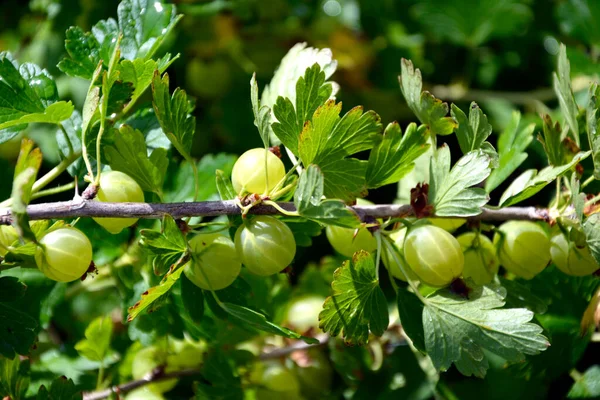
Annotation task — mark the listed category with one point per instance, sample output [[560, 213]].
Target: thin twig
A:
[[83, 208], [296, 346]]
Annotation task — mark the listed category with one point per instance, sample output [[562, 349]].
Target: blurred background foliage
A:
[[500, 53]]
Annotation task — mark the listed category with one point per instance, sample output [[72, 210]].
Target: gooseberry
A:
[[433, 254], [481, 263], [148, 359], [265, 244], [117, 187], [277, 378], [448, 224], [251, 173], [523, 248], [570, 259], [215, 262], [303, 313], [345, 242], [8, 235], [65, 254]]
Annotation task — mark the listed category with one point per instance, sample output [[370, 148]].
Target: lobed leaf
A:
[[530, 182], [511, 148], [593, 127], [357, 304], [96, 344], [472, 132], [564, 92], [450, 191], [457, 330], [392, 158], [262, 115], [61, 388], [14, 378], [18, 331], [591, 228], [168, 246], [128, 154]]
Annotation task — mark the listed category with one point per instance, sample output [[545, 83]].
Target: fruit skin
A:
[[481, 262], [217, 255], [275, 381], [344, 242], [523, 248], [303, 313], [448, 224], [117, 187], [8, 235], [249, 174], [390, 262], [265, 244], [570, 259], [434, 255], [66, 254], [145, 361]]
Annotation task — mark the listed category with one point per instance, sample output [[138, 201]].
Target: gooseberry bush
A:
[[204, 257]]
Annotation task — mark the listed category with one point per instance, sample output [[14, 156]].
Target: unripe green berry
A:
[[523, 248], [117, 187]]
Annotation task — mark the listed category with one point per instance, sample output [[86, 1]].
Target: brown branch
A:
[[82, 208]]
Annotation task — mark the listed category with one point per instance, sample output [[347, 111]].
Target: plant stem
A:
[[54, 190], [82, 208], [588, 181], [592, 200], [100, 375]]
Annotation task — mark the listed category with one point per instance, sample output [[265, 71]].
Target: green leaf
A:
[[392, 158], [430, 111], [68, 139], [61, 388], [144, 24], [309, 203], [18, 331], [586, 386], [450, 191], [224, 384], [591, 228], [552, 141], [173, 114], [224, 186], [530, 182], [410, 309], [28, 94], [96, 344], [182, 188], [457, 330], [593, 127], [357, 304], [192, 298], [511, 147], [311, 92], [11, 288], [168, 247], [129, 154], [14, 378], [140, 72], [84, 52], [564, 92], [152, 295], [472, 132], [259, 322], [303, 230], [28, 165], [262, 115]]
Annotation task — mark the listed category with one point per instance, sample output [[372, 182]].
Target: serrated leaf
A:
[[167, 246], [410, 309], [18, 331], [457, 330], [68, 140], [155, 293], [262, 115], [28, 165], [309, 203], [593, 127], [28, 94], [11, 289], [144, 24], [311, 92], [552, 141], [429, 110], [128, 154], [392, 158], [173, 114], [14, 378], [472, 132], [586, 386], [591, 228], [530, 182], [564, 92], [259, 322], [61, 388], [511, 149], [96, 344], [357, 304], [450, 191]]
